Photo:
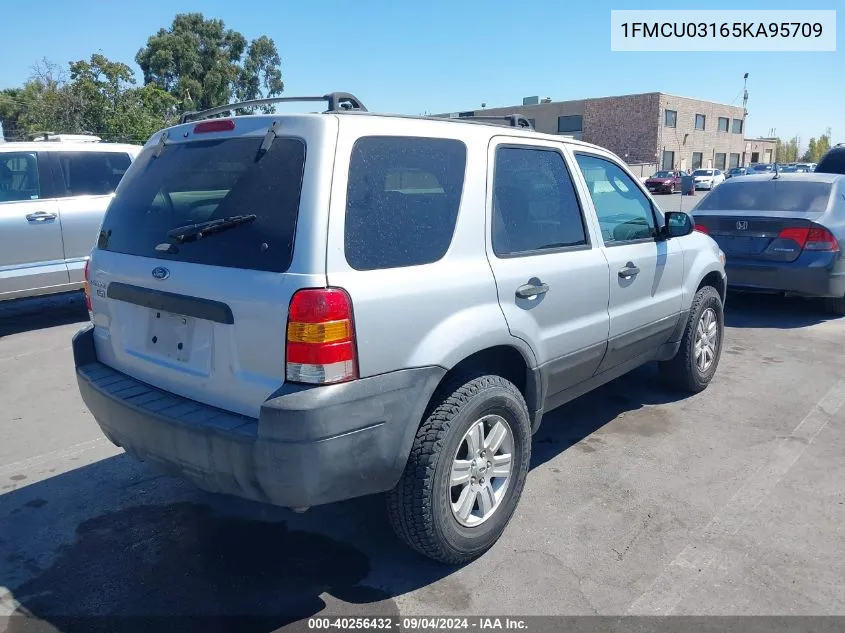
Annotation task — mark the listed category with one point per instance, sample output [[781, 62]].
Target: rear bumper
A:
[[310, 445], [811, 275]]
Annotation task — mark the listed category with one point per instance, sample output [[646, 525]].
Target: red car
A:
[[664, 182]]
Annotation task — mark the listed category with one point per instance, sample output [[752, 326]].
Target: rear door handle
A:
[[628, 271], [40, 216], [531, 290]]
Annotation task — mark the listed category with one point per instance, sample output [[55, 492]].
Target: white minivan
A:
[[53, 196]]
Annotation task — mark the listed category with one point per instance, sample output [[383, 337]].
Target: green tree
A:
[[99, 98], [203, 64], [787, 152], [816, 148]]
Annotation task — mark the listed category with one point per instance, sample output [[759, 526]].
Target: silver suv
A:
[[53, 195], [305, 308]]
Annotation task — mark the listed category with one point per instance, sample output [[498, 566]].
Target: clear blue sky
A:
[[438, 56]]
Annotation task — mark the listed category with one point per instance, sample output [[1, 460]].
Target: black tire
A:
[[671, 189], [419, 506], [682, 372], [835, 305]]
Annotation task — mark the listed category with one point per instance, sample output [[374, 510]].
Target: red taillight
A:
[[797, 235], [820, 239], [811, 238], [321, 337], [87, 287], [215, 125], [701, 228]]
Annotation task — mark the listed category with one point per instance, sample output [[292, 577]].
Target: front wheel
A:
[[671, 189], [466, 471], [694, 365]]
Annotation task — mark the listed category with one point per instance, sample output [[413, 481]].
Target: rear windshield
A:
[[833, 163], [209, 180], [769, 195], [703, 172]]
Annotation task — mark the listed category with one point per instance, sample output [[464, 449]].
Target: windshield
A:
[[736, 170], [663, 174], [703, 172], [769, 195], [220, 182]]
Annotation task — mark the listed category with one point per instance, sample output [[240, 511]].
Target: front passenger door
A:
[[646, 272]]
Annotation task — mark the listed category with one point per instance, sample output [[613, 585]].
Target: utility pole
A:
[[745, 94]]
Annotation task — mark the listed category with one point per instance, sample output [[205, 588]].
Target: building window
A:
[[736, 126], [670, 118], [700, 120], [572, 123], [697, 158], [734, 160], [723, 123], [668, 160], [720, 160]]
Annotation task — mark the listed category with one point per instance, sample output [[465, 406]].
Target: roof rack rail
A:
[[337, 102], [514, 120]]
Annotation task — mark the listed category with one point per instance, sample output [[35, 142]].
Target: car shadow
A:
[[24, 315], [752, 310], [113, 546], [576, 421]]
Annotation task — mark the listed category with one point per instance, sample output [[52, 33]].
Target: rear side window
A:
[[535, 206], [19, 177], [92, 173], [204, 181], [769, 195], [402, 200], [833, 163]]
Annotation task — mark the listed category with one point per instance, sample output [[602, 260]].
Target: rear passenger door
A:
[[551, 276], [31, 256], [646, 273], [89, 179]]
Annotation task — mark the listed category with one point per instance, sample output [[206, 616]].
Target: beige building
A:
[[651, 130]]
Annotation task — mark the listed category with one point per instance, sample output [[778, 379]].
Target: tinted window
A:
[[19, 177], [92, 173], [209, 180], [736, 126], [833, 163], [723, 124], [769, 195], [402, 200], [535, 206], [571, 123], [670, 118], [623, 210]]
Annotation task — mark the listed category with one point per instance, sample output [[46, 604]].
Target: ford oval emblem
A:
[[160, 272]]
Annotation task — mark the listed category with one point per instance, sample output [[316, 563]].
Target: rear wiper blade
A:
[[191, 232]]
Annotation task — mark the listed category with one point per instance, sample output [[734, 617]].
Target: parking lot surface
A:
[[639, 501]]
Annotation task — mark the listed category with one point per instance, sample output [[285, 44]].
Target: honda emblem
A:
[[742, 225]]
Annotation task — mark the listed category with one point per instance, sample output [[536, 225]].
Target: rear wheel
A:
[[694, 366], [466, 471]]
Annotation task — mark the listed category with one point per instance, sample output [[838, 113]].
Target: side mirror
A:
[[678, 224]]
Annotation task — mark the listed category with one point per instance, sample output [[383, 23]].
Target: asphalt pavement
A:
[[640, 501]]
